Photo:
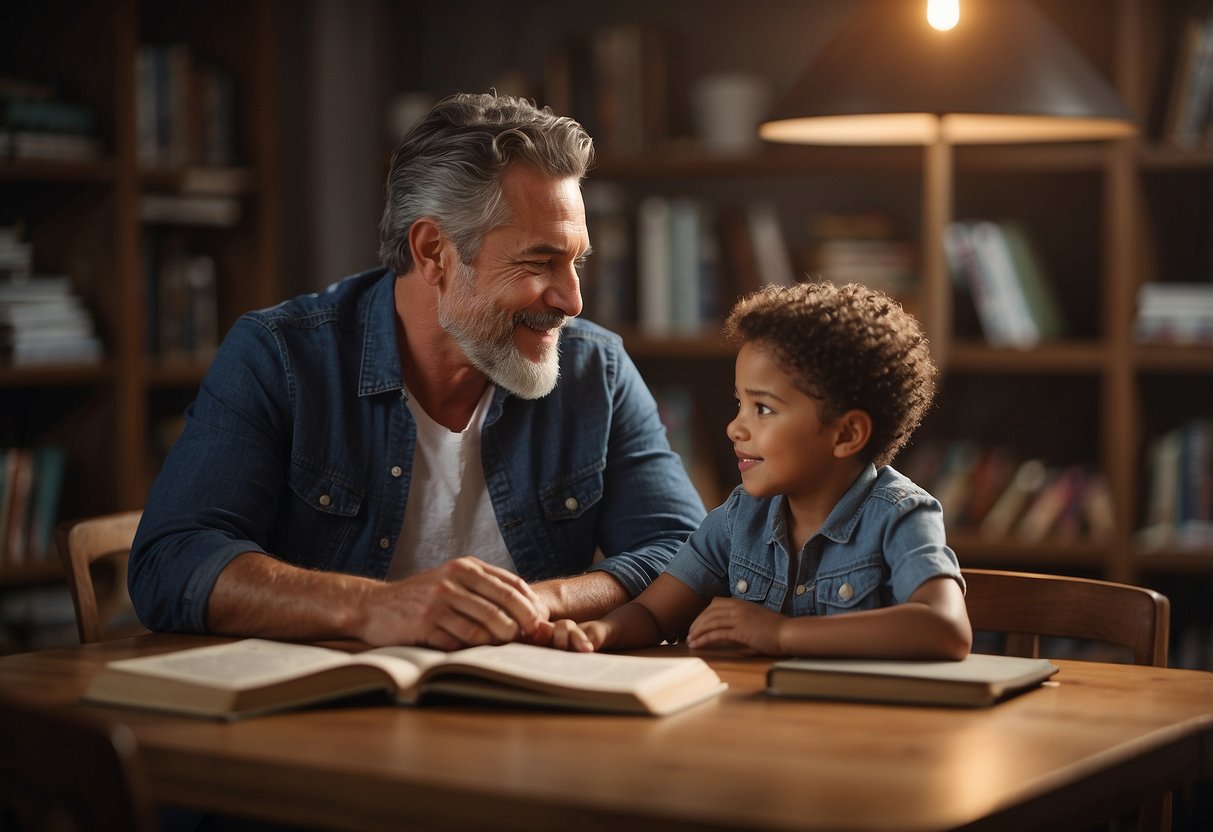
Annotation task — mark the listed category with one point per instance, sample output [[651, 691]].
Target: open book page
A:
[[586, 671], [256, 663]]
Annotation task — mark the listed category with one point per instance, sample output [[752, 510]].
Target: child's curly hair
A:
[[850, 346]]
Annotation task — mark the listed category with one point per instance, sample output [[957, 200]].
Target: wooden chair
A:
[[1026, 606], [94, 553], [60, 770]]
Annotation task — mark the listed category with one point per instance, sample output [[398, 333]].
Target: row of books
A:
[[1179, 496], [677, 265], [1001, 495], [1188, 120], [997, 265], [181, 295], [1174, 313], [38, 122], [31, 482], [614, 81], [186, 109], [43, 321]]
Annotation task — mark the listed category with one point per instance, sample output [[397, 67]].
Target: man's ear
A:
[[426, 243], [852, 431]]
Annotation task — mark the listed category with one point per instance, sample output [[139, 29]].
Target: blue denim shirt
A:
[[300, 445], [882, 540]]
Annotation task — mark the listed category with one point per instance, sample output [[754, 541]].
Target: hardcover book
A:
[[978, 680]]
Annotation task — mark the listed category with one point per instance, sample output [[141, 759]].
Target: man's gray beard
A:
[[486, 337]]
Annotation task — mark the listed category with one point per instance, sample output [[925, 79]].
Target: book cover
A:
[[978, 680], [255, 676], [654, 289]]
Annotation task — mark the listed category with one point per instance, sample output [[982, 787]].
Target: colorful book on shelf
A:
[[979, 680], [255, 676], [979, 251], [1030, 476]]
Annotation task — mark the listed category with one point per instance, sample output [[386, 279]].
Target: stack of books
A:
[[1174, 313], [36, 122], [42, 321]]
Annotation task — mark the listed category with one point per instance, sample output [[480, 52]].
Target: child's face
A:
[[782, 445]]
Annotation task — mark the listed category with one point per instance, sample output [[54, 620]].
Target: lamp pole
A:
[[936, 215]]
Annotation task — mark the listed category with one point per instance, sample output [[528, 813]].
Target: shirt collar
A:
[[845, 515], [381, 370]]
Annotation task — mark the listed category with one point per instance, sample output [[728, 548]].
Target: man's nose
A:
[[564, 292]]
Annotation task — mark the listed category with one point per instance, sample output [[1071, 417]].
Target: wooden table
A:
[[1088, 745]]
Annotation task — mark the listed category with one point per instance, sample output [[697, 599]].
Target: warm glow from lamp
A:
[[943, 14], [1006, 75]]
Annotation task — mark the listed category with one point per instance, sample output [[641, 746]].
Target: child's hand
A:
[[729, 621], [579, 638]]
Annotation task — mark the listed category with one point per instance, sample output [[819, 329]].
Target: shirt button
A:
[[571, 504], [743, 585], [325, 500], [397, 470], [800, 589], [384, 543], [846, 591]]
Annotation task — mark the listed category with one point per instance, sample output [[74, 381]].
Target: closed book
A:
[[978, 680], [254, 676]]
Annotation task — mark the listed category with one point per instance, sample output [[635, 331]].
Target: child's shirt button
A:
[[742, 585]]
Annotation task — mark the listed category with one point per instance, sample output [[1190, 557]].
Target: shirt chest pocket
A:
[[748, 583], [854, 589], [567, 498], [323, 518], [324, 492]]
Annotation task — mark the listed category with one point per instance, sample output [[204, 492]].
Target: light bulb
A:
[[943, 14]]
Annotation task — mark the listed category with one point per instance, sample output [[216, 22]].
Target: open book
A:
[[254, 676], [975, 681]]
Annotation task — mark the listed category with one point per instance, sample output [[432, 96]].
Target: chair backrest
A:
[[85, 544], [1026, 606], [60, 770]]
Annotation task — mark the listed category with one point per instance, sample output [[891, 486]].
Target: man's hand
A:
[[462, 603], [729, 621]]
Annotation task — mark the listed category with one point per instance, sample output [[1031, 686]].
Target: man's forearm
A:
[[259, 595], [582, 597]]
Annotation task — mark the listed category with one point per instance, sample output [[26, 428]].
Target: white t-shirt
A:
[[449, 513]]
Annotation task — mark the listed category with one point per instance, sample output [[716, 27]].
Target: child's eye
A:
[[762, 409]]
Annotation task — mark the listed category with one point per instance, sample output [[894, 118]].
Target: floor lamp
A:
[[938, 74]]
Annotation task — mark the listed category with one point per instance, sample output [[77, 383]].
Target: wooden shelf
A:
[[103, 171], [1175, 359], [1053, 358], [52, 375]]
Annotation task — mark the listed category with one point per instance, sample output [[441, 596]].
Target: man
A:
[[432, 452]]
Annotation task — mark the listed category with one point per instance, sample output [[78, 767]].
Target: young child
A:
[[824, 549]]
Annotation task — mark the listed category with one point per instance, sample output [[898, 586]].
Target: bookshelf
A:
[[1104, 217], [83, 217]]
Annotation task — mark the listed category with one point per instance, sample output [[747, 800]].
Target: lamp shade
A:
[[1002, 74]]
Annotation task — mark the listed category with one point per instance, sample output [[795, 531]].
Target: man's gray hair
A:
[[449, 167]]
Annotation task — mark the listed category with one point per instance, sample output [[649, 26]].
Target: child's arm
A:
[[932, 624], [662, 611]]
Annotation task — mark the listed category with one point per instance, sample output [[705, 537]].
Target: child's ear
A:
[[426, 244], [853, 429]]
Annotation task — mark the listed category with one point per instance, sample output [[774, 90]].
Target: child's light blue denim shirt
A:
[[883, 540]]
